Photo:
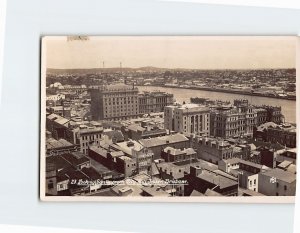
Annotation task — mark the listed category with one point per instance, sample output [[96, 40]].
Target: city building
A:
[[114, 160], [157, 144], [274, 114], [262, 115], [212, 149], [170, 154], [82, 134], [202, 180], [284, 134], [234, 121], [61, 110], [188, 119], [277, 182], [227, 165], [178, 170], [86, 135], [114, 102], [60, 146], [137, 132], [55, 97], [143, 156], [287, 154], [248, 174], [51, 179], [150, 102]]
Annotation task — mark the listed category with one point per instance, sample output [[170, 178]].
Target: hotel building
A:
[[114, 102]]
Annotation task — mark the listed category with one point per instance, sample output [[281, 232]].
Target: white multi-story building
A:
[[188, 119]]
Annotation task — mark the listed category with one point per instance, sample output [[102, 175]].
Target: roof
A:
[[155, 191], [158, 141], [73, 160], [101, 169], [292, 168], [196, 193], [251, 164], [91, 173], [210, 192], [74, 174], [154, 169], [61, 177], [284, 164], [135, 188], [53, 116], [191, 106], [127, 147], [232, 160], [62, 120], [178, 170], [281, 175], [135, 127], [266, 126], [119, 86], [52, 143], [111, 124], [213, 178], [116, 153], [249, 192], [91, 130], [58, 162], [175, 151], [100, 151], [154, 132], [124, 157]]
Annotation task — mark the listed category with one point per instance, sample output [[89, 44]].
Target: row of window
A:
[[91, 137]]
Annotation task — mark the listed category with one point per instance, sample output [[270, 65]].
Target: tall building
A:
[[234, 121], [114, 102], [154, 101], [188, 118], [274, 114]]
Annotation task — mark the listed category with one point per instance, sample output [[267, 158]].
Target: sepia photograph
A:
[[168, 118]]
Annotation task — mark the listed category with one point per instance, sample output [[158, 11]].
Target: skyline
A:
[[182, 52]]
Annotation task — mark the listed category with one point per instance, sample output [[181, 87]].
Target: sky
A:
[[190, 52]]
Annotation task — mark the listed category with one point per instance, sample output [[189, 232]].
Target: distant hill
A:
[[109, 70], [140, 69]]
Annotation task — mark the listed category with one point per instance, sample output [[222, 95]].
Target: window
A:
[[285, 188], [254, 182]]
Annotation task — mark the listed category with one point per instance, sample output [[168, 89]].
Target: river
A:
[[288, 107]]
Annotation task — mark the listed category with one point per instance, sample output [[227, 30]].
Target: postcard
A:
[[168, 118]]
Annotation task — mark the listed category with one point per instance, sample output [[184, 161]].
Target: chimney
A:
[[195, 170]]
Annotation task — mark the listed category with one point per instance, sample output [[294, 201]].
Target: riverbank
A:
[[232, 91]]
